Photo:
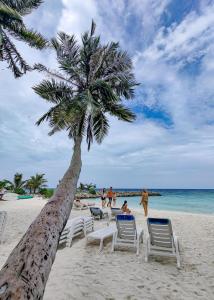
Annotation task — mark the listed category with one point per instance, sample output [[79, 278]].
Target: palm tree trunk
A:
[[26, 270]]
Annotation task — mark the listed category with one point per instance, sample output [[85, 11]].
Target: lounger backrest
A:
[[3, 219], [126, 227], [116, 211], [160, 231]]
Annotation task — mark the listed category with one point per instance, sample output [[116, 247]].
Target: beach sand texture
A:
[[81, 272]]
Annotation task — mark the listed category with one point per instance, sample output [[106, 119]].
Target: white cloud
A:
[[77, 15]]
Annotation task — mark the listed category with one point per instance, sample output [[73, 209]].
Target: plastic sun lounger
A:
[[127, 233], [76, 227], [161, 240], [3, 220], [97, 212], [101, 235]]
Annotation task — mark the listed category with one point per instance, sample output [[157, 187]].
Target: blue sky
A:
[[171, 143]]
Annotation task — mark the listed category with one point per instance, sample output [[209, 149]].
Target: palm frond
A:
[[23, 7], [121, 112], [100, 126], [93, 27], [8, 13], [89, 131], [53, 91], [10, 54]]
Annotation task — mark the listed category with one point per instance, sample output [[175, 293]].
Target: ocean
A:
[[184, 200]]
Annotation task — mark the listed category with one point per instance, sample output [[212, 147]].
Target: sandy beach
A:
[[81, 272]]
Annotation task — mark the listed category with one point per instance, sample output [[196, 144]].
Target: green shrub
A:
[[47, 193], [19, 191], [92, 191]]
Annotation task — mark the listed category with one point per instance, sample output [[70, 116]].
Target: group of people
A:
[[111, 196]]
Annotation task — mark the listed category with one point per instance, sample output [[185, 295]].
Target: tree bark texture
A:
[[26, 270]]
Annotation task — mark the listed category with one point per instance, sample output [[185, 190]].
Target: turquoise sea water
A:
[[191, 201]]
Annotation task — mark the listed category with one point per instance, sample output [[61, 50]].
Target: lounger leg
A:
[[101, 245], [138, 246], [113, 242], [177, 252], [69, 242], [147, 249]]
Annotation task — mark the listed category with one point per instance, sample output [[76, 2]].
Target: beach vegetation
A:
[[17, 185], [36, 183], [46, 193], [12, 26]]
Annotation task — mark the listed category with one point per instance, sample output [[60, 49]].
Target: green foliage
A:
[[91, 190], [12, 25], [36, 183], [47, 193], [92, 82], [17, 185], [19, 191], [2, 184]]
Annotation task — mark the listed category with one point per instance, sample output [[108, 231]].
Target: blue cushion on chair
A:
[[158, 221], [125, 217]]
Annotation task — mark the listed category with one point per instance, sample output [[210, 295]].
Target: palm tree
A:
[[11, 25], [17, 185], [93, 81], [37, 182]]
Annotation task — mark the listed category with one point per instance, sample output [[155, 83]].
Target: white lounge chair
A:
[[127, 233], [76, 227], [73, 228], [88, 224], [102, 234], [161, 240], [98, 213], [3, 220]]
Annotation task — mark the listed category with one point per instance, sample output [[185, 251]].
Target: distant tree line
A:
[[34, 185]]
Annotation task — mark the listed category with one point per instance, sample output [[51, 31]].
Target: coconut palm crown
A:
[[12, 26], [92, 81]]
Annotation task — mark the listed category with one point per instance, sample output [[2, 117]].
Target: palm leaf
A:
[[23, 7], [9, 13], [100, 126]]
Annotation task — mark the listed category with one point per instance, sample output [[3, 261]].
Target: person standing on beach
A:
[[110, 196], [144, 201], [103, 197]]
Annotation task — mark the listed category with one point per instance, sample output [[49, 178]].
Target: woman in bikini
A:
[[125, 208], [144, 202]]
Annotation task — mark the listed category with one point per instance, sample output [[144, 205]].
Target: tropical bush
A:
[[47, 193]]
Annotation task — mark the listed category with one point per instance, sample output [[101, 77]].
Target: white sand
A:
[[80, 272]]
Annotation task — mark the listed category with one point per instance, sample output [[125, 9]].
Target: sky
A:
[[171, 144]]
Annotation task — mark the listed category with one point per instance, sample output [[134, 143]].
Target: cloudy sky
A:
[[171, 144]]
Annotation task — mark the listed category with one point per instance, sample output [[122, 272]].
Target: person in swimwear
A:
[[110, 196], [144, 201], [125, 208]]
